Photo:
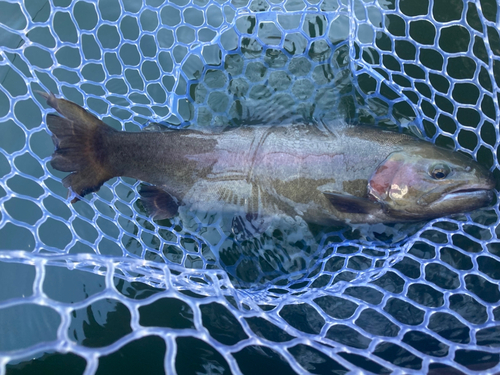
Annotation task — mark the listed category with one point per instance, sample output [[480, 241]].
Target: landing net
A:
[[97, 287]]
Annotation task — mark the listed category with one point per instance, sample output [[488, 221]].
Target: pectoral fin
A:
[[158, 203], [351, 204]]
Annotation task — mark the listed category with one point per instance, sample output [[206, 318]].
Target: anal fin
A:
[[158, 203]]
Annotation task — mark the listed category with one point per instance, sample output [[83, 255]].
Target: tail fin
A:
[[82, 142]]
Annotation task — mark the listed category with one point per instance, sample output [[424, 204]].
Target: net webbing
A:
[[97, 287]]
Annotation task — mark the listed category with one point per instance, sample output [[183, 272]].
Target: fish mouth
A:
[[481, 191], [476, 193], [470, 190], [482, 186], [485, 185]]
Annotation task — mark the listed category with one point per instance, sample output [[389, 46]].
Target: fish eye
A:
[[440, 171]]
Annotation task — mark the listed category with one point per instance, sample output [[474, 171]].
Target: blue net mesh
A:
[[97, 287]]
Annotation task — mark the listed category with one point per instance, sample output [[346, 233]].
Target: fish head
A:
[[424, 182]]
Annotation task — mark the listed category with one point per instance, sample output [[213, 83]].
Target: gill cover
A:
[[380, 184]]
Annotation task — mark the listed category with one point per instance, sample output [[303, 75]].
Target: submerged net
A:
[[97, 287]]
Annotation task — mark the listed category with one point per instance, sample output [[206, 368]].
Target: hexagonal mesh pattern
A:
[[97, 287]]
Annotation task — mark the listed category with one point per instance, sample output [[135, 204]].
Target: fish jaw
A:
[[473, 194], [482, 195]]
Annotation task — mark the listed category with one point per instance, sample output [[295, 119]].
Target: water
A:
[[90, 284]]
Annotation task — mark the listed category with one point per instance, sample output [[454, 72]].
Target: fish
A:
[[323, 174]]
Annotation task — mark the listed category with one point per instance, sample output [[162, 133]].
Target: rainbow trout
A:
[[323, 174]]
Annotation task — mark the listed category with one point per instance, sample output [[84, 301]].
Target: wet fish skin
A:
[[324, 174]]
